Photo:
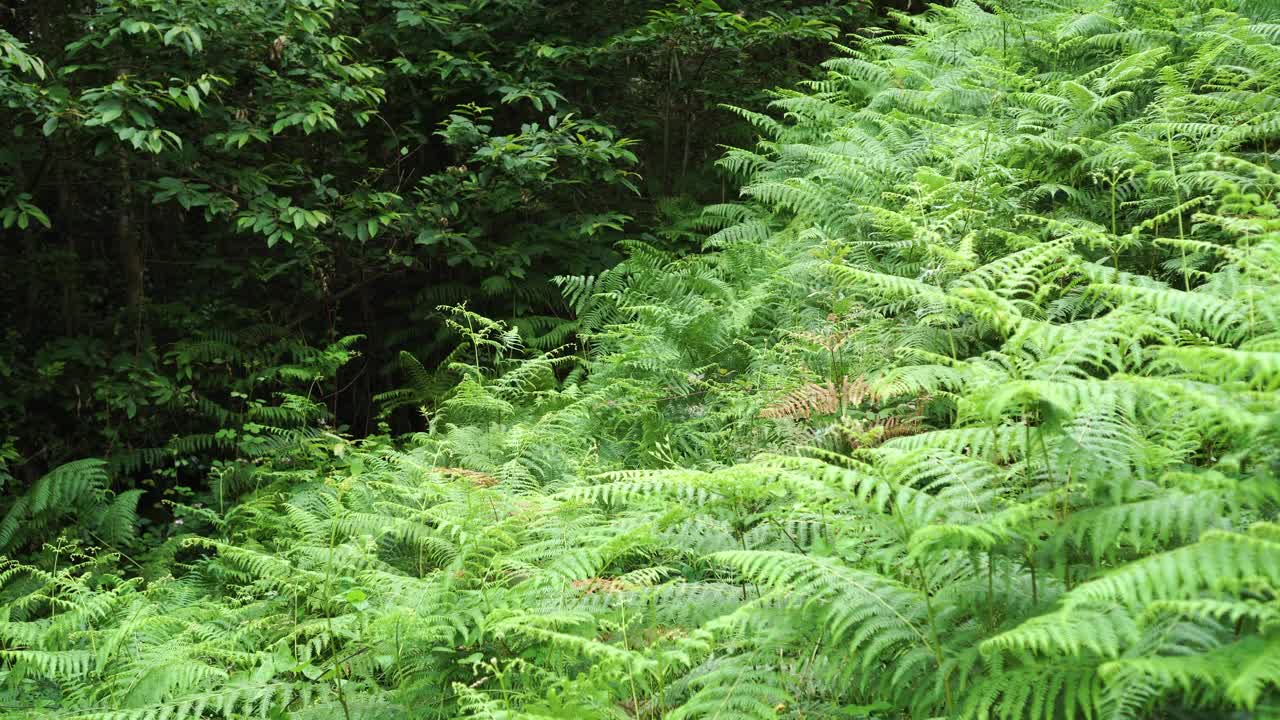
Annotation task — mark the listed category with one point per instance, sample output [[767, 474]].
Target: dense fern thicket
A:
[[968, 409]]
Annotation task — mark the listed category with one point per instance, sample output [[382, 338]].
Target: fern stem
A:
[[1177, 196], [991, 592], [1115, 250], [1031, 564], [936, 637], [328, 591], [631, 670]]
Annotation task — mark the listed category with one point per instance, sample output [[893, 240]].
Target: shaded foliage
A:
[[194, 195]]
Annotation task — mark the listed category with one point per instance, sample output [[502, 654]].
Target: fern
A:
[[967, 409]]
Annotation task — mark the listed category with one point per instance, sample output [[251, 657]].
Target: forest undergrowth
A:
[[969, 408]]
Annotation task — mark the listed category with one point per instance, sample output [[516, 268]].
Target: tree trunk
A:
[[130, 249], [690, 123], [70, 270], [29, 250]]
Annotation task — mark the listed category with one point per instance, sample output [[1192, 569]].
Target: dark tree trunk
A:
[[69, 271], [130, 250]]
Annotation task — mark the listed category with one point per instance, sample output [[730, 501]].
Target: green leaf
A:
[[109, 111]]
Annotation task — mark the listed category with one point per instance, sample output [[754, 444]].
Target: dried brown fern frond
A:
[[476, 477], [820, 399], [591, 586], [832, 341], [870, 433]]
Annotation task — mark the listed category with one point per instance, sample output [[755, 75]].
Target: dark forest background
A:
[[206, 204]]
